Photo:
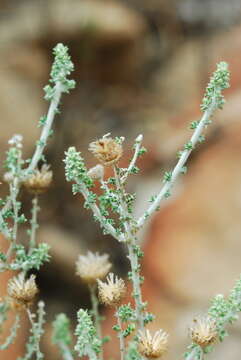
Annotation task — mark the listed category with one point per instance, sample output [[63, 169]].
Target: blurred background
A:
[[140, 67]]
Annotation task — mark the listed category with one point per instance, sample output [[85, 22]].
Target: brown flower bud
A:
[[154, 346], [96, 172], [107, 150], [112, 292], [92, 266], [21, 291], [39, 181], [203, 332]]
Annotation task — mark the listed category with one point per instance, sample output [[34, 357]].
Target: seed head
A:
[[8, 177], [152, 346], [111, 292], [92, 266], [203, 332], [107, 150], [21, 291], [96, 172], [40, 181]]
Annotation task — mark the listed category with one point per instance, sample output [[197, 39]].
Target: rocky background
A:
[[141, 67]]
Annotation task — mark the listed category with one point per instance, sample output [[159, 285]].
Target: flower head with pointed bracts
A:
[[203, 332], [22, 291], [39, 181], [107, 150], [152, 346], [112, 291], [92, 266]]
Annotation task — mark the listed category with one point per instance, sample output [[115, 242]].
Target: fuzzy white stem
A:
[[121, 337], [34, 225], [178, 168], [96, 316], [96, 211], [46, 128], [138, 142], [66, 353], [130, 240]]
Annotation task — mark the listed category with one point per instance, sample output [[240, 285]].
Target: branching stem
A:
[[96, 316], [179, 166]]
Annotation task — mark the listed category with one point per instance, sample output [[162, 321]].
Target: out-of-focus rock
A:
[[64, 250], [108, 21]]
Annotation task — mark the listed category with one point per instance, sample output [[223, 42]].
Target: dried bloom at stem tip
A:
[[39, 181], [22, 291], [203, 332], [113, 291], [107, 150], [92, 266], [152, 346], [96, 172]]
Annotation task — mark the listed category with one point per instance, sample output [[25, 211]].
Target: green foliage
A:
[[24, 261], [32, 346], [61, 330], [61, 68], [87, 341], [218, 82], [75, 169]]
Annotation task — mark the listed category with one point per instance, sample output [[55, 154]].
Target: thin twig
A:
[[46, 128], [96, 316], [138, 142], [178, 168]]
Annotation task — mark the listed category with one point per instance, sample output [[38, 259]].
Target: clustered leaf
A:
[[61, 329], [25, 262], [87, 341], [218, 82]]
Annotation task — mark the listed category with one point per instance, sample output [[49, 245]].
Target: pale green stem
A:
[[96, 211], [193, 354], [46, 128], [130, 241], [12, 336], [96, 315], [14, 190], [138, 142], [121, 337], [179, 166], [66, 352], [34, 225]]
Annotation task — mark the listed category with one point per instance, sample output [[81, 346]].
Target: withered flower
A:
[[204, 331], [107, 150], [96, 172], [154, 346], [92, 266], [111, 292], [22, 291], [39, 181]]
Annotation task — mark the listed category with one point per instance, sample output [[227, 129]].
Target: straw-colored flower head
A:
[[8, 177], [40, 181], [152, 346], [112, 291], [96, 172], [107, 150], [203, 332], [22, 291], [92, 266]]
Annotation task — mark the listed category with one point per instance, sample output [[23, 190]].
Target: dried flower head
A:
[[111, 292], [8, 177], [107, 150], [40, 181], [96, 172], [92, 266], [22, 291], [152, 346], [204, 331]]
